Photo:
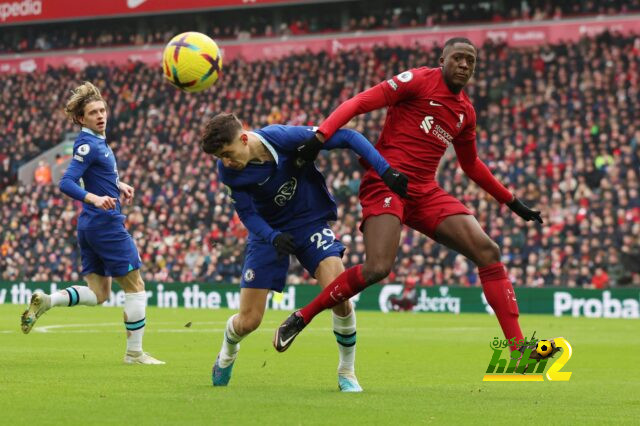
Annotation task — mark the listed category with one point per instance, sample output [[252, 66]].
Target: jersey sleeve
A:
[[345, 138], [83, 156], [249, 216], [287, 138], [401, 87], [476, 169]]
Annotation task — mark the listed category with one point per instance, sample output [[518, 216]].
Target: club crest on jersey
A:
[[286, 192], [461, 119], [249, 275], [387, 202], [405, 77]]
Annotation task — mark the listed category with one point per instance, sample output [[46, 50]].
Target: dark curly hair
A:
[[219, 131]]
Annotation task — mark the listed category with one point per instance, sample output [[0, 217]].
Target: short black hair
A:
[[455, 40], [219, 131]]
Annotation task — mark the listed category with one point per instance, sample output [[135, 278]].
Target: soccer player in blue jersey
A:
[[286, 208], [106, 247]]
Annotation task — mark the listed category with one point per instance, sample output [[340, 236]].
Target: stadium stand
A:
[[558, 123], [298, 20]]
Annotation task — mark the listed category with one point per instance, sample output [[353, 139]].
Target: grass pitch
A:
[[414, 368]]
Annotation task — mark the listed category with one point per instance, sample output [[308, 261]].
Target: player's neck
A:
[[258, 151], [453, 89]]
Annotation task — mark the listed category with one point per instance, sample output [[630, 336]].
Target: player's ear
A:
[[244, 138], [441, 60]]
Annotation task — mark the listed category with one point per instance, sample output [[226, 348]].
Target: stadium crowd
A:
[[558, 124], [298, 20]]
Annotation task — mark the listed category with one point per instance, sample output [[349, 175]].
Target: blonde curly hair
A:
[[80, 97]]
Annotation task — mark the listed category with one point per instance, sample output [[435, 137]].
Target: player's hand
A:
[[522, 210], [127, 193], [284, 244], [104, 203], [308, 150], [396, 181]]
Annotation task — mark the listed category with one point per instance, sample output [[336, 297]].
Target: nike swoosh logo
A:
[[106, 154], [284, 343], [132, 4], [326, 247], [434, 103], [264, 181]]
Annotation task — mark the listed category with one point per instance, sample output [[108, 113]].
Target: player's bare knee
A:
[[249, 323], [139, 284], [489, 253], [374, 272]]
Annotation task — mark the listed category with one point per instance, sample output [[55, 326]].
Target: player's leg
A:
[[135, 317], [119, 253], [381, 240], [464, 234], [252, 305], [344, 326], [263, 270], [93, 272]]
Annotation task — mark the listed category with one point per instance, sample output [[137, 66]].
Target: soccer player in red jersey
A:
[[427, 112]]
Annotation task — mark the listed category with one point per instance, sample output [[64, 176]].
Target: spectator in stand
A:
[[42, 174], [542, 125], [294, 20]]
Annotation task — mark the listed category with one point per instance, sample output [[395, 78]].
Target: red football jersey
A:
[[424, 117]]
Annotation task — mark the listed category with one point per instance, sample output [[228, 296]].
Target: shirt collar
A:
[[91, 132]]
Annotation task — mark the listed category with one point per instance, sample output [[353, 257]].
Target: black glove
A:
[[308, 150], [396, 181], [522, 210], [284, 244]]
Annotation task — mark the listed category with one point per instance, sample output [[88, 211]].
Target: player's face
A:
[[458, 62], [95, 116], [235, 155]]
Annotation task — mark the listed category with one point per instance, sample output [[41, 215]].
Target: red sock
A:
[[501, 297], [346, 285]]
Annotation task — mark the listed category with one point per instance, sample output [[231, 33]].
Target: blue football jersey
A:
[[94, 162], [277, 196]]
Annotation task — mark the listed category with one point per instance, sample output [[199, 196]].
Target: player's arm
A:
[[478, 171], [398, 88], [70, 182], [353, 140], [283, 242]]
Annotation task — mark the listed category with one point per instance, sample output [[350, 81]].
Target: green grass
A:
[[415, 369]]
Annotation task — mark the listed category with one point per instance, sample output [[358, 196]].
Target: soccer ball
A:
[[191, 62], [544, 348]]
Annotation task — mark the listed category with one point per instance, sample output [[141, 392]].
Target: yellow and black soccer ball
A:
[[544, 348], [192, 62]]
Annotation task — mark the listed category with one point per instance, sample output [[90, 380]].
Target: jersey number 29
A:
[[321, 241]]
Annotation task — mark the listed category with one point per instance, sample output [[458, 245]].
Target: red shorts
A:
[[424, 212]]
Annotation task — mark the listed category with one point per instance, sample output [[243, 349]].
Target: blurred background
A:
[[556, 91]]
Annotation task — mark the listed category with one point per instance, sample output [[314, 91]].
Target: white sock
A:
[[230, 344], [134, 319], [344, 329], [74, 295]]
